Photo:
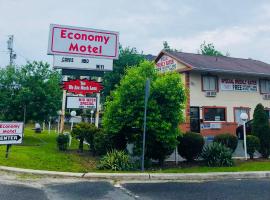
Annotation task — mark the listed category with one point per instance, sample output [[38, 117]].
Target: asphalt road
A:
[[223, 190]]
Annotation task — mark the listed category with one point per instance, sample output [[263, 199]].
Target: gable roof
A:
[[225, 64]]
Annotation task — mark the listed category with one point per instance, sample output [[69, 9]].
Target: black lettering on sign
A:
[[85, 60], [100, 67], [65, 59]]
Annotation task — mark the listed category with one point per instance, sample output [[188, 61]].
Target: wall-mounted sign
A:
[[165, 64], [82, 102], [83, 63], [82, 86], [11, 132], [244, 85], [83, 42]]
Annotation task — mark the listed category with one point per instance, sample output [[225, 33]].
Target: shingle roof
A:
[[149, 57], [220, 63]]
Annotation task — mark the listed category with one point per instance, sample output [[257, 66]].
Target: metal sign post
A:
[[147, 93]]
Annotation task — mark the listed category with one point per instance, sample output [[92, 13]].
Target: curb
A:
[[147, 176]]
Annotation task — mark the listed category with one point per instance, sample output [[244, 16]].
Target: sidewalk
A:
[[146, 176]]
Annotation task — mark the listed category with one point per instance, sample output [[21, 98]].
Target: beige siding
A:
[[229, 99]]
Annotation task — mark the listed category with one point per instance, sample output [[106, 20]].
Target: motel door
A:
[[195, 119]]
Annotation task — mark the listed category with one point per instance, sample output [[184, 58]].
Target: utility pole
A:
[[12, 55]]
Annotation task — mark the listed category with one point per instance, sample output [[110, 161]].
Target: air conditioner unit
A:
[[210, 93], [266, 96]]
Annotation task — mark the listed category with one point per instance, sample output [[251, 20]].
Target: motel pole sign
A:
[[84, 52]]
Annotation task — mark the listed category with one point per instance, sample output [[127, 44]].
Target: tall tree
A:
[[33, 89], [209, 49], [127, 57], [124, 112]]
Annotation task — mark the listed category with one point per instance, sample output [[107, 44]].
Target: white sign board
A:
[[67, 62], [82, 102], [82, 42], [243, 85], [11, 132], [166, 64]]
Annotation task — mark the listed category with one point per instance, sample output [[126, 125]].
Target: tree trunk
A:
[[81, 145]]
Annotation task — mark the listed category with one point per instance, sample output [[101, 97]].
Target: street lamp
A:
[[244, 118], [59, 112], [92, 112], [73, 114]]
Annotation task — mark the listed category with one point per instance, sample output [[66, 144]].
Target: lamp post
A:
[[59, 112], [244, 118], [73, 114], [92, 112]]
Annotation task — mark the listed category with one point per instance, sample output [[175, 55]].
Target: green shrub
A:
[[190, 145], [228, 140], [116, 160], [260, 127], [84, 131], [103, 142], [62, 142], [253, 144], [217, 155]]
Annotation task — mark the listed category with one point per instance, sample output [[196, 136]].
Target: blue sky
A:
[[241, 27]]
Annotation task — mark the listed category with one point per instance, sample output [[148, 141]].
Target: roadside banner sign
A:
[[83, 42], [71, 62], [11, 132], [81, 102], [83, 86]]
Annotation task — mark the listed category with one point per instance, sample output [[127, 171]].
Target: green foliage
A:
[[33, 88], [167, 47], [228, 140], [127, 57], [190, 145], [253, 144], [217, 155], [62, 142], [260, 128], [85, 132], [103, 143], [209, 49], [116, 160], [124, 110]]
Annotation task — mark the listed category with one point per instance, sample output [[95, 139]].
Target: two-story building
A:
[[219, 89]]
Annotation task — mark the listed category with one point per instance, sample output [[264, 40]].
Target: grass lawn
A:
[[240, 166], [39, 151]]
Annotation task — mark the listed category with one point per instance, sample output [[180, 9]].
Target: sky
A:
[[238, 27]]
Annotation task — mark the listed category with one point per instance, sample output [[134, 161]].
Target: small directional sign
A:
[[11, 132]]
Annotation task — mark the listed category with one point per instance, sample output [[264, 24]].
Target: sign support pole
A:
[[98, 106], [62, 120], [7, 151]]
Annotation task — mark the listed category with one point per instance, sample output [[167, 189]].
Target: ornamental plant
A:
[[227, 140], [190, 145], [260, 128], [253, 144]]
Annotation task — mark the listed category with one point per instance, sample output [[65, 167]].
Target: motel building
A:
[[219, 89]]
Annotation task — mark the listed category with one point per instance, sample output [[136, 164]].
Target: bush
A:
[[253, 144], [228, 140], [103, 142], [190, 145], [62, 142], [217, 155], [116, 160], [84, 131], [260, 128]]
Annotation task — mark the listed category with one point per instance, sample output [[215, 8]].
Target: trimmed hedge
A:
[[227, 140], [190, 145]]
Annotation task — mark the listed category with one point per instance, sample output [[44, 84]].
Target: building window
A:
[[238, 111], [209, 83], [214, 114], [267, 111], [265, 86]]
